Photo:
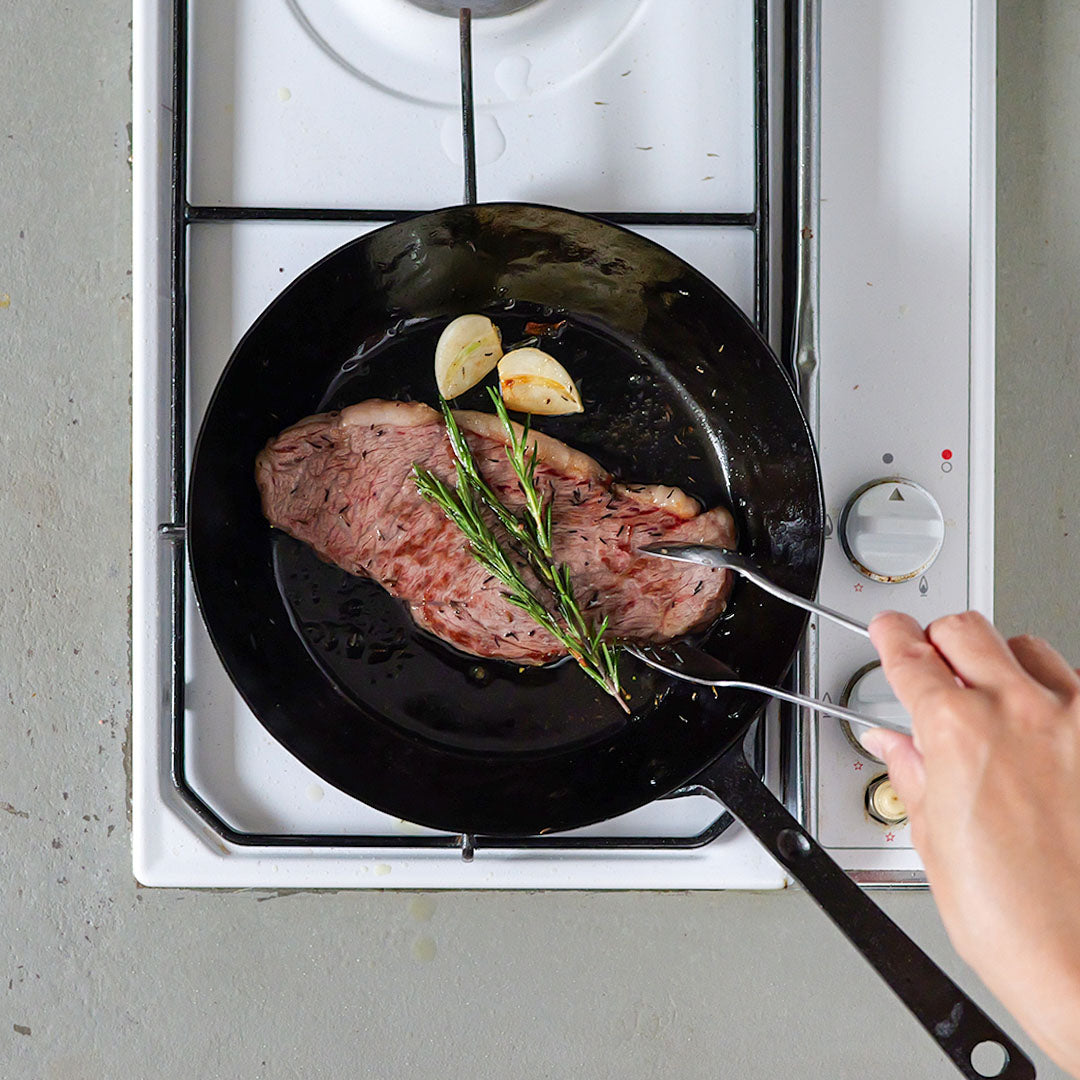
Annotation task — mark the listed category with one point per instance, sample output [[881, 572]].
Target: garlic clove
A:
[[467, 350], [532, 381]]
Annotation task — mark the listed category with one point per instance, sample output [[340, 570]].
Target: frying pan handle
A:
[[951, 1018]]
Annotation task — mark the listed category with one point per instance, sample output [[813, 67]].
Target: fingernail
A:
[[875, 740]]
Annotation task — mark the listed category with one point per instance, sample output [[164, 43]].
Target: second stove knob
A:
[[892, 530], [869, 693]]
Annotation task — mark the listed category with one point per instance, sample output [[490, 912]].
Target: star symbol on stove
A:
[[856, 765], [858, 586], [890, 837]]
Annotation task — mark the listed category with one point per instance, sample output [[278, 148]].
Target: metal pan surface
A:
[[679, 388]]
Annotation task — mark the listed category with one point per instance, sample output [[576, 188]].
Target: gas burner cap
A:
[[409, 50], [481, 9]]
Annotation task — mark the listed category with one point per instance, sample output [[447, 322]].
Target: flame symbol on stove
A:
[[923, 586], [828, 526]]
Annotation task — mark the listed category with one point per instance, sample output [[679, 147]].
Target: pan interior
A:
[[679, 388], [634, 424]]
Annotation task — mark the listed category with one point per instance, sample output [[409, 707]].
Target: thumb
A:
[[904, 762]]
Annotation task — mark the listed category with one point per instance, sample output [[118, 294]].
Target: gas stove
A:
[[832, 170]]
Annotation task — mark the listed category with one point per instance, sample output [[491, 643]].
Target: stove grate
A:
[[183, 216]]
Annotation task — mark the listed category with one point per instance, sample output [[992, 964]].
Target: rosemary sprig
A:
[[531, 536]]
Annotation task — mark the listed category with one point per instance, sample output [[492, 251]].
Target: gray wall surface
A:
[[102, 979]]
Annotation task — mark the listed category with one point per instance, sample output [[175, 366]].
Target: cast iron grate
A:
[[183, 217]]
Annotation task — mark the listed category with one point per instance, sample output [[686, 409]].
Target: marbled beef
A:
[[342, 482]]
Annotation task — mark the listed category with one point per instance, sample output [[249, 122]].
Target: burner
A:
[[401, 48], [481, 9]]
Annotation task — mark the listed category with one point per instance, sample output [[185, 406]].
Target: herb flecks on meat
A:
[[531, 535]]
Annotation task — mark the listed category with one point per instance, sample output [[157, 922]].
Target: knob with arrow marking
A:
[[892, 529]]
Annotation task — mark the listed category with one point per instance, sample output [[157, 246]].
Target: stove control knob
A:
[[882, 802], [892, 530], [867, 692]]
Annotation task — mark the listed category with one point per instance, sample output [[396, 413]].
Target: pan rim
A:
[[193, 558]]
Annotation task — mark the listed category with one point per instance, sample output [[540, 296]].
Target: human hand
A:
[[991, 781]]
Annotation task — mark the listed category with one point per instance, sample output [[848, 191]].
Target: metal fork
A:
[[691, 664], [694, 665], [703, 555]]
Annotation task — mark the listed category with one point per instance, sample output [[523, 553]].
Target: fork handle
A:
[[826, 707], [812, 606]]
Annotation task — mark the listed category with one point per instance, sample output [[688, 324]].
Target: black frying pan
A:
[[678, 387]]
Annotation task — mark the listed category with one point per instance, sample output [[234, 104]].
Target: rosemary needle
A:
[[530, 536]]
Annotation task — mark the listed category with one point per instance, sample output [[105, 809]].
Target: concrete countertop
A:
[[104, 979]]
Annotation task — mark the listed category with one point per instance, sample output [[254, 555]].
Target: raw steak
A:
[[342, 482]]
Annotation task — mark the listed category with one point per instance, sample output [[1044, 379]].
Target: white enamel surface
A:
[[907, 339], [584, 110], [403, 50], [276, 122], [907, 355]]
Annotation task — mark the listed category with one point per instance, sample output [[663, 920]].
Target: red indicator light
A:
[[946, 455]]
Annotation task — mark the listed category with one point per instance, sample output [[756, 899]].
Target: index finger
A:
[[914, 668]]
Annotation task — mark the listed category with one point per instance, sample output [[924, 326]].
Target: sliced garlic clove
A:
[[468, 349], [532, 381]]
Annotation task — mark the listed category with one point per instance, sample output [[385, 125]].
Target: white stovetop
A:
[[577, 105], [592, 117]]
